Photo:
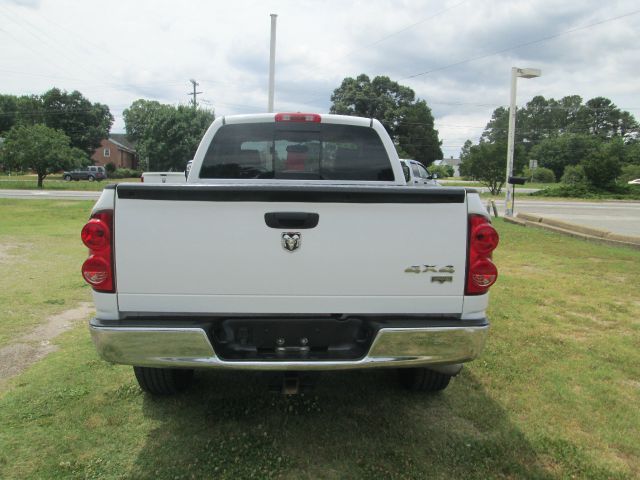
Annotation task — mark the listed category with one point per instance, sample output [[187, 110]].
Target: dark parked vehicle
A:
[[91, 173]]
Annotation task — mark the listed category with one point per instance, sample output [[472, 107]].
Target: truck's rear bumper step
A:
[[190, 347]]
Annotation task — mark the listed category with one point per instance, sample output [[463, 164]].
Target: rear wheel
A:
[[423, 379], [91, 178], [67, 178], [163, 381]]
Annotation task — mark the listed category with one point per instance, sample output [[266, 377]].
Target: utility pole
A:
[[194, 93], [272, 62]]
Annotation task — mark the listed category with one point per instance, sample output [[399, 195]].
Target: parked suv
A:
[[91, 173]]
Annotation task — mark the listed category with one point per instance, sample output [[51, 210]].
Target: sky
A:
[[457, 55]]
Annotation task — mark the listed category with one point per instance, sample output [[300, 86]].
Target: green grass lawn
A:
[[554, 395], [55, 182], [40, 258]]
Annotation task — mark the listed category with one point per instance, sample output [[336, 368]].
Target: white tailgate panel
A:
[[221, 257]]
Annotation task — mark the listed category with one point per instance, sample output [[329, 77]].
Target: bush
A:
[[629, 172], [125, 173], [584, 190], [601, 169], [110, 168], [543, 175], [573, 175], [443, 171]]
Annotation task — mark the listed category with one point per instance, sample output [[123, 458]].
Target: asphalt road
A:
[[618, 217], [50, 194]]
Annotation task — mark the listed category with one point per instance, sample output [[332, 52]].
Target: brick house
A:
[[117, 150]]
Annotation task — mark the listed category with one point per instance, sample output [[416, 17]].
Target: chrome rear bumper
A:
[[190, 347]]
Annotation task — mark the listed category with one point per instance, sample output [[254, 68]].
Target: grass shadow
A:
[[356, 424]]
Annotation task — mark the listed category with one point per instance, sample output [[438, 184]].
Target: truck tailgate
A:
[[208, 249]]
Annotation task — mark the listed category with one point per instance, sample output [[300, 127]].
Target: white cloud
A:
[[115, 52]]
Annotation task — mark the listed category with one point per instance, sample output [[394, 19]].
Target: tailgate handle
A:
[[291, 219]]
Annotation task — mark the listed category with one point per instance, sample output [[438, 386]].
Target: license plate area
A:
[[324, 338]]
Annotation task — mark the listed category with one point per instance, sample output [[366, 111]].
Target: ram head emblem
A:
[[291, 241]]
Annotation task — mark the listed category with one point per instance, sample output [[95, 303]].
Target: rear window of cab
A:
[[297, 152]]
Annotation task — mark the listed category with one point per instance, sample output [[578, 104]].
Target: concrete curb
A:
[[577, 231]]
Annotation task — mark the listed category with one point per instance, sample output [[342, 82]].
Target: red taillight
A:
[[97, 235], [96, 270], [298, 117], [483, 240]]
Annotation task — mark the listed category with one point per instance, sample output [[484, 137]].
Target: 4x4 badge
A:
[[291, 241]]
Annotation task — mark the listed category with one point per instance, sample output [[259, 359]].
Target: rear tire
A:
[[67, 178], [163, 381], [91, 178], [423, 379]]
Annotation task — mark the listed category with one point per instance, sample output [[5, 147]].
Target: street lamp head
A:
[[528, 72]]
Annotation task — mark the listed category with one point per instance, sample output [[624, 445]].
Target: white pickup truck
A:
[[301, 248]]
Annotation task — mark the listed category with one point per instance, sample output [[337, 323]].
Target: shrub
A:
[[573, 175], [125, 173], [543, 175], [629, 172], [601, 169], [584, 190], [110, 167], [443, 171]]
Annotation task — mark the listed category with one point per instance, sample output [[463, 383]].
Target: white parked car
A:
[[415, 173], [634, 182], [305, 251]]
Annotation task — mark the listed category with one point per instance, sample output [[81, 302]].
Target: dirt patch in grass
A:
[[6, 254], [35, 345]]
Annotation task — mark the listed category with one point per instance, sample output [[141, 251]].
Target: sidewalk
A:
[[574, 230]]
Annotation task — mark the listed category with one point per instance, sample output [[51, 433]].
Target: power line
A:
[[45, 39], [524, 44]]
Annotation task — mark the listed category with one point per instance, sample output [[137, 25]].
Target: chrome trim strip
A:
[[190, 347]]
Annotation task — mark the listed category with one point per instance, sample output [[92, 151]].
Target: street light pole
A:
[[515, 73], [272, 63]]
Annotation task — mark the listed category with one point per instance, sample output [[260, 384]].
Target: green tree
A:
[[487, 162], [167, 136], [42, 149], [85, 123], [556, 153], [601, 169], [408, 120], [632, 153], [8, 112], [466, 149]]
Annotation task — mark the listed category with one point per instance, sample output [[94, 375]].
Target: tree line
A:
[[60, 130], [50, 132], [593, 144]]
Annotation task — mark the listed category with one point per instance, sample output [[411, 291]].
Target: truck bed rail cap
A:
[[292, 193]]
